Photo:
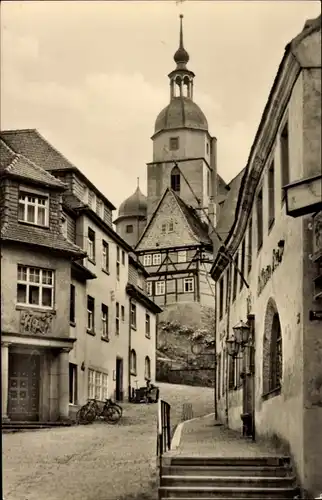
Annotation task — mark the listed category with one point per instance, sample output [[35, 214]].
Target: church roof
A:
[[134, 206], [181, 112]]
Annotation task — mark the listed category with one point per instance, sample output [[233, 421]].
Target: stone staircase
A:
[[193, 478], [8, 427]]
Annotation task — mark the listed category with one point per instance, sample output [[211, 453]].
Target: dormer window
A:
[[33, 209], [174, 143]]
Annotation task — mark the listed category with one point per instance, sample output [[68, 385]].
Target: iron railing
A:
[[164, 432]]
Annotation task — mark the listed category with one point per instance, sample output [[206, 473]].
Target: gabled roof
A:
[[16, 165], [228, 210], [198, 228], [30, 143]]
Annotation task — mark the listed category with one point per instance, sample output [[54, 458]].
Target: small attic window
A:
[[129, 228], [174, 143], [175, 179]]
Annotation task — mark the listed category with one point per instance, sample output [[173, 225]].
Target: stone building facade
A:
[[274, 387], [97, 314]]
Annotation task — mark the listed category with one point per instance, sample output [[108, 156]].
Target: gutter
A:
[[129, 352]]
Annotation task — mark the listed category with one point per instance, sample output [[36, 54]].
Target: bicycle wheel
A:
[[81, 414], [89, 415], [111, 415], [118, 408]]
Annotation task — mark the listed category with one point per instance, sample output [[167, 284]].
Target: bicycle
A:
[[111, 412]]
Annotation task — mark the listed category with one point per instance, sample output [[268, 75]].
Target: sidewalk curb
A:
[[176, 438]]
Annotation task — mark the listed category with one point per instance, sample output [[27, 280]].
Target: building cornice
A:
[[171, 130], [272, 116]]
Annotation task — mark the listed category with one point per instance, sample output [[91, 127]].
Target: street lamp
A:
[[238, 341]]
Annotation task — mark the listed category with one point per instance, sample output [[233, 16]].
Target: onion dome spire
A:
[[181, 57]]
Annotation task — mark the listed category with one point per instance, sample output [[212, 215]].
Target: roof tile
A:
[[16, 164], [40, 237]]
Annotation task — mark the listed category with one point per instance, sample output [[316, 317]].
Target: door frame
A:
[[13, 352], [119, 374]]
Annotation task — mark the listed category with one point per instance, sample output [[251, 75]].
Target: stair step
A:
[[231, 461], [228, 481], [224, 492], [227, 470]]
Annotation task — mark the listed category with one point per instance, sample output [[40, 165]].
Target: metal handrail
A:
[[163, 432]]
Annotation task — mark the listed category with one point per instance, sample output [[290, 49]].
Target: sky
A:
[[91, 76]]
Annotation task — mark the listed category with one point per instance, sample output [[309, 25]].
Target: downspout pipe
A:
[[129, 353]]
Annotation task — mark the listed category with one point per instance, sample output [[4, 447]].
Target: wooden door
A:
[[119, 380], [23, 396]]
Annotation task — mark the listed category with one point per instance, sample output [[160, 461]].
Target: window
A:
[[147, 326], [227, 288], [99, 207], [64, 227], [118, 263], [133, 315], [129, 228], [133, 362], [90, 313], [175, 179], [259, 209], [97, 385], [104, 321], [271, 195], [122, 313], [242, 263], [123, 258], [35, 287], [221, 298], [147, 368], [272, 352], [219, 376], [72, 304], [163, 228], [276, 355], [33, 209], [174, 143], [188, 284], [208, 182], [147, 260], [159, 288], [182, 256], [170, 227], [156, 259], [235, 277], [90, 199], [117, 318], [72, 384], [285, 167], [105, 256], [250, 244], [149, 288], [207, 148], [91, 244]]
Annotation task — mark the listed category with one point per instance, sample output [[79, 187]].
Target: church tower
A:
[[181, 135]]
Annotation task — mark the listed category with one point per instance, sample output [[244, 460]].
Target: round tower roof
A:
[[182, 112], [134, 206]]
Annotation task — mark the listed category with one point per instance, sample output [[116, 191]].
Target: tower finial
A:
[[181, 57], [181, 32], [138, 181]]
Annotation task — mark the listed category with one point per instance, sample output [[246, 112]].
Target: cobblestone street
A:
[[93, 462]]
